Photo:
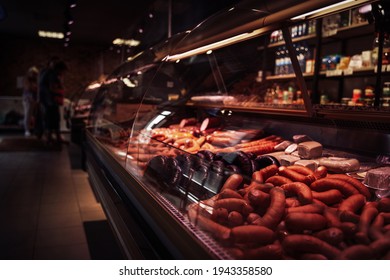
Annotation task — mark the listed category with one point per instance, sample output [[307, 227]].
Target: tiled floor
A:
[[48, 209]]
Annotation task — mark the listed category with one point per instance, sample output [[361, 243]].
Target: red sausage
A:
[[267, 252], [320, 172], [300, 189], [328, 197], [269, 171], [356, 252], [308, 208], [354, 182], [233, 182], [277, 180], [353, 203], [299, 221], [301, 169], [327, 184], [295, 176], [309, 244], [252, 234], [218, 231], [332, 235], [275, 211], [234, 204]]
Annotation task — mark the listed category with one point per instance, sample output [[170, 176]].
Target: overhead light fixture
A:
[[213, 46], [317, 11], [126, 42], [50, 34], [72, 3]]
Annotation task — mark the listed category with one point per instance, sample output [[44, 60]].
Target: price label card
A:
[[348, 71], [334, 73]]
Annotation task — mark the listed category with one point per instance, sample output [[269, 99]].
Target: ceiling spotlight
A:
[[141, 30], [72, 3], [151, 15], [66, 44]]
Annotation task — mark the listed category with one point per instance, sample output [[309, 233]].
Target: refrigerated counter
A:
[[183, 138]]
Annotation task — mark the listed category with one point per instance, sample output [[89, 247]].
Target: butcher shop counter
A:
[[188, 165]]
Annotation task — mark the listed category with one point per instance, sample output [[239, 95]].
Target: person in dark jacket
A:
[[52, 98]]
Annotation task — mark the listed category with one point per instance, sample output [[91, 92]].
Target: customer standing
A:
[[52, 97], [29, 96]]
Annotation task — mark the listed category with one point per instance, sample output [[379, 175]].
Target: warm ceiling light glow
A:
[[50, 34], [321, 10], [130, 42]]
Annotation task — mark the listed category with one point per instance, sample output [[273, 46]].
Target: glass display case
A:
[[216, 144]]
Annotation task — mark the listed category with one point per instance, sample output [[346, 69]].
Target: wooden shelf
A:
[[287, 77]]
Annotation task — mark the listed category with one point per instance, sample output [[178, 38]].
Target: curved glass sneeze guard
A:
[[178, 125]]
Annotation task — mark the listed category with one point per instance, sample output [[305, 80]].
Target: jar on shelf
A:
[[386, 90]]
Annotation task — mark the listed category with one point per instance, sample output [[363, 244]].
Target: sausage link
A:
[[327, 184], [235, 219], [309, 244], [384, 204], [299, 221], [308, 208], [220, 215], [278, 180], [275, 211], [366, 218], [353, 203], [234, 204], [301, 169], [218, 231], [229, 193], [269, 171], [354, 182], [252, 234], [380, 247], [267, 252], [258, 198], [332, 235], [320, 172], [233, 182], [295, 176], [328, 197], [302, 191], [356, 252]]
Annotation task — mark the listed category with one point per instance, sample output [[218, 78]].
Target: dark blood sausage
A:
[[354, 182], [301, 243], [301, 190], [275, 211], [327, 184]]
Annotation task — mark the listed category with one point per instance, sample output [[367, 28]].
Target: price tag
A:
[[348, 71], [333, 73]]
